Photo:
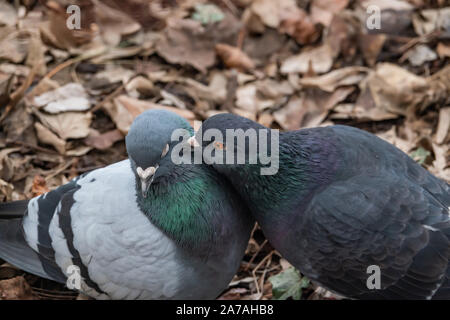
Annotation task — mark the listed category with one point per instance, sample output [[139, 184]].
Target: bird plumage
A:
[[344, 200], [185, 240]]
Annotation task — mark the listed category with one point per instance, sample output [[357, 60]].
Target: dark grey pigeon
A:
[[343, 204], [143, 228]]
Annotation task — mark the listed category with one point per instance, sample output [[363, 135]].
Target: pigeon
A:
[[143, 228], [352, 212]]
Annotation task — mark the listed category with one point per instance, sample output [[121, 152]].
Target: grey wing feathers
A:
[[384, 221]]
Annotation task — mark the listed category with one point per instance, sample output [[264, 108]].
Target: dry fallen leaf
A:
[[6, 83], [67, 125], [36, 53], [6, 191], [340, 77], [234, 57], [140, 86], [323, 10], [114, 24], [189, 42], [55, 31], [420, 54], [291, 115], [272, 12], [18, 126], [395, 89], [215, 91], [71, 97], [103, 141], [298, 25], [247, 98], [310, 109], [371, 46], [342, 35], [16, 289], [443, 128], [46, 136], [125, 109], [7, 165], [273, 89], [443, 50], [427, 21], [39, 186], [8, 15], [319, 59], [13, 44], [113, 74]]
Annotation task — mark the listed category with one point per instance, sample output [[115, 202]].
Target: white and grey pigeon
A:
[[143, 228]]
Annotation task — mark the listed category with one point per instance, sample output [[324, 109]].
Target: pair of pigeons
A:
[[341, 202]]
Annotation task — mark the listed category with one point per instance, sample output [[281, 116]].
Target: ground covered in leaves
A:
[[68, 97]]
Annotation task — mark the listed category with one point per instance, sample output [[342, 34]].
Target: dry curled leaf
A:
[[319, 59], [103, 141], [234, 57], [443, 128]]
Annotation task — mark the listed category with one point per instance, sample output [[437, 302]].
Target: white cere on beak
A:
[[193, 142], [146, 177], [145, 174]]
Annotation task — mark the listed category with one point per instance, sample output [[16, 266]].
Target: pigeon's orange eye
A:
[[219, 145]]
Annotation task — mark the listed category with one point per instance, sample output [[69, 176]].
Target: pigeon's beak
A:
[[146, 176], [145, 185]]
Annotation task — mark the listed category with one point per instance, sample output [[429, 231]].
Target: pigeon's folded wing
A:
[[382, 221]]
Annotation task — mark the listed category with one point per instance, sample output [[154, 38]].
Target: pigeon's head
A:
[[149, 142], [225, 138]]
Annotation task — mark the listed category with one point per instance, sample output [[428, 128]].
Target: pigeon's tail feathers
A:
[[11, 210], [15, 250]]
